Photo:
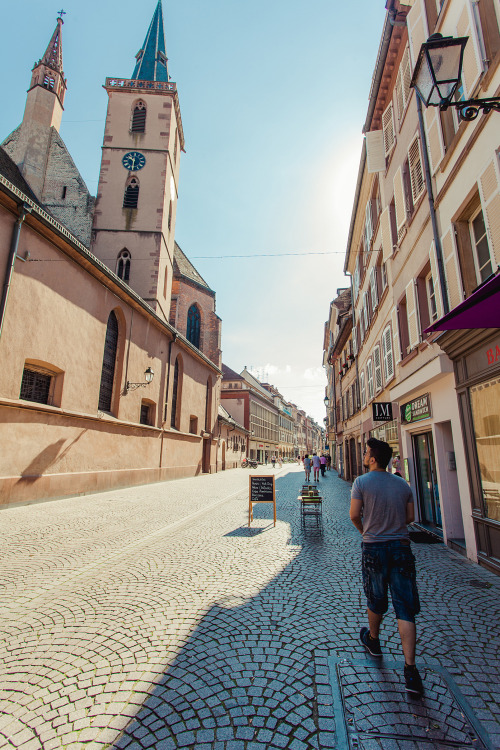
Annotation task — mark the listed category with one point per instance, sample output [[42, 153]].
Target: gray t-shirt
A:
[[385, 497]]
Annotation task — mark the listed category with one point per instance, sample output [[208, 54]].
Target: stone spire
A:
[[151, 62], [48, 72]]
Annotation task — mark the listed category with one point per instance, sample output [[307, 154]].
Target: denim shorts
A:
[[390, 565]]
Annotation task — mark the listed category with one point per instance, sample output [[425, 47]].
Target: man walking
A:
[[381, 508]]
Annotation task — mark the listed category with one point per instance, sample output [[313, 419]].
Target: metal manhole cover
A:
[[377, 713], [479, 584]]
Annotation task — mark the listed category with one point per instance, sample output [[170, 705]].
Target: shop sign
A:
[[382, 411], [416, 410]]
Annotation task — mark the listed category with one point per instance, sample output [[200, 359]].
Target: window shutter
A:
[[388, 355], [368, 225], [365, 310], [361, 327], [398, 91], [416, 170], [369, 379], [416, 21], [388, 128], [373, 287], [453, 282], [473, 60], [399, 201], [354, 341], [385, 229], [435, 280], [378, 368], [375, 152], [405, 69], [395, 336], [435, 140], [362, 389], [412, 313], [489, 182], [355, 283]]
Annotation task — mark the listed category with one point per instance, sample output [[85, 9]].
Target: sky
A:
[[273, 98]]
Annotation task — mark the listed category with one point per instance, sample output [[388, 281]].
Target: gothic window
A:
[[123, 267], [193, 326], [176, 396], [108, 363], [131, 195], [170, 215], [48, 82], [139, 118]]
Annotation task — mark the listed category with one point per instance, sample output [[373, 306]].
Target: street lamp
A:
[[148, 375], [327, 401], [438, 73]]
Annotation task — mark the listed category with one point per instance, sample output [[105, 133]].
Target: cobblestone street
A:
[[153, 617]]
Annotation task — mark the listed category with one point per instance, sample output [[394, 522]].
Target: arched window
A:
[[108, 363], [131, 195], [49, 82], [193, 326], [139, 118], [176, 395], [123, 267]]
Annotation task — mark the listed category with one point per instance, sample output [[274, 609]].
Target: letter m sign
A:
[[382, 411]]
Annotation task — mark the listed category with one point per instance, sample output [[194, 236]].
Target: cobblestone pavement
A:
[[153, 617]]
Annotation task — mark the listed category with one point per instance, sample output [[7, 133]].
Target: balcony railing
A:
[[132, 83]]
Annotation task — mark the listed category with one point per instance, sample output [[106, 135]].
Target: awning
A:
[[480, 310]]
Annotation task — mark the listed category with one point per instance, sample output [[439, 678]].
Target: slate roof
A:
[[184, 267], [228, 374], [152, 58]]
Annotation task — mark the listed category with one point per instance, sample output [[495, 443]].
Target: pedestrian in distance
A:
[[280, 461], [381, 507], [329, 462], [273, 460], [322, 461], [316, 465], [307, 467], [396, 465]]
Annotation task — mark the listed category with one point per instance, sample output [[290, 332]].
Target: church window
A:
[[131, 196], [108, 363], [170, 215], [165, 283], [123, 266], [139, 118], [193, 326], [63, 194], [35, 385], [176, 395], [49, 82]]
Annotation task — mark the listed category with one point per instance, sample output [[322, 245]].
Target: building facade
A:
[[424, 234]]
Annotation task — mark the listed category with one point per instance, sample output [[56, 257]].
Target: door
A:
[[426, 476], [206, 455]]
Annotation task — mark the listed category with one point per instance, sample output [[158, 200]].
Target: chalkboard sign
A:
[[261, 491]]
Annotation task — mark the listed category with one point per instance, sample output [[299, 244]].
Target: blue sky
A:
[[273, 97]]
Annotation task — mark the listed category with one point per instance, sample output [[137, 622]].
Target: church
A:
[[109, 339]]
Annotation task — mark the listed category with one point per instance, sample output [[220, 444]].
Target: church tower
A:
[[134, 218], [29, 144]]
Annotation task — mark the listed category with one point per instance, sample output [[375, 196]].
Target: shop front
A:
[[476, 355], [433, 455]]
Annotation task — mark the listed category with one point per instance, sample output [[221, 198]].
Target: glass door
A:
[[426, 476]]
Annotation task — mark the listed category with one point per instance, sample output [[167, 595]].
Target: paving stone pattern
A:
[[153, 617]]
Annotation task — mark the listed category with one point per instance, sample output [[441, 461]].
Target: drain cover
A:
[[480, 584], [377, 714]]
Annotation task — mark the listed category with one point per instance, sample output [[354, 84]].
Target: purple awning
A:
[[480, 310]]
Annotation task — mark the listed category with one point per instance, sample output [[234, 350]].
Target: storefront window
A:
[[387, 432], [485, 403]]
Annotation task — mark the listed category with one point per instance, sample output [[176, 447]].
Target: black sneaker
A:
[[372, 645], [413, 681]]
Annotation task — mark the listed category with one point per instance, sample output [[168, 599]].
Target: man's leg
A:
[[374, 621], [408, 635]]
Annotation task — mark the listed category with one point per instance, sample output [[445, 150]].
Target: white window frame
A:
[[430, 294], [377, 361], [368, 224], [373, 287], [416, 170], [388, 129], [362, 388], [383, 275]]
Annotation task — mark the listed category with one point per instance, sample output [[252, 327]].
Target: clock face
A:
[[134, 161]]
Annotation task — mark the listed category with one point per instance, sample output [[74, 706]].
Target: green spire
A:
[[152, 58]]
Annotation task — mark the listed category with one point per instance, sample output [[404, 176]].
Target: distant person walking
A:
[[273, 460], [307, 467], [280, 461], [322, 461], [316, 466], [329, 462], [381, 508]]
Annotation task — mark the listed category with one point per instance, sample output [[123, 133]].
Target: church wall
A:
[[56, 318], [210, 322]]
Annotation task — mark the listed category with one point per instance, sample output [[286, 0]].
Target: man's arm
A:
[[410, 511], [355, 513]]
